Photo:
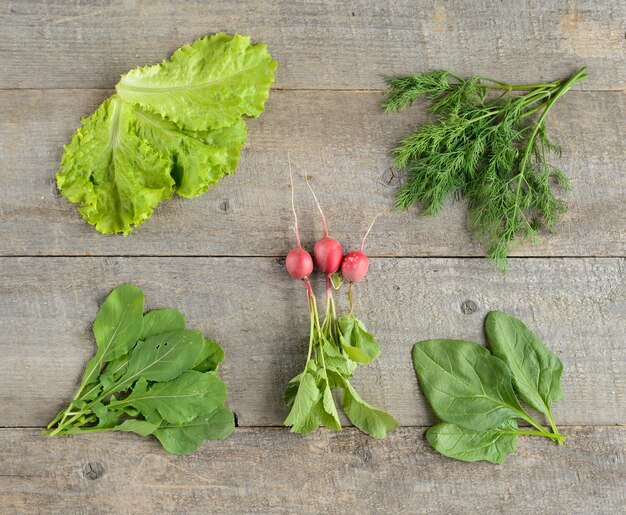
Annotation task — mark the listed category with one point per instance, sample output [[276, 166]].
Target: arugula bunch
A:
[[175, 127], [337, 347], [473, 391], [490, 151], [150, 376]]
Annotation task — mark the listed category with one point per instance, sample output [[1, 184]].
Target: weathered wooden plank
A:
[[272, 471], [251, 306], [319, 44], [343, 141]]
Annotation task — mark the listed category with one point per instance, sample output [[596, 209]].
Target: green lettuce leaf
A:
[[209, 84], [175, 127], [199, 158], [116, 177]]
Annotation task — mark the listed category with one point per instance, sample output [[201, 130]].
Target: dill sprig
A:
[[489, 149]]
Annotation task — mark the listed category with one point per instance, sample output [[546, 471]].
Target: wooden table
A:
[[219, 258]]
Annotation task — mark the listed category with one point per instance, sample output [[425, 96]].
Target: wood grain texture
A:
[[342, 140], [272, 471], [258, 314], [318, 44]]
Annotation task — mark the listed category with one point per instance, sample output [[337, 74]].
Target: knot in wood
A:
[[468, 307], [93, 470]]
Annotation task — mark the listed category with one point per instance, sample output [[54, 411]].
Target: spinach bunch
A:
[[150, 376], [473, 391]]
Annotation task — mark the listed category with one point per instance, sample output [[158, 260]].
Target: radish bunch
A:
[[337, 345]]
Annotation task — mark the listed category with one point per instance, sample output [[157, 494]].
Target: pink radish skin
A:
[[354, 266], [299, 263], [328, 254]]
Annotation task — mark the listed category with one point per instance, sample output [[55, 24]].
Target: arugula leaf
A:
[[186, 438], [465, 384], [492, 445], [221, 70], [141, 427], [159, 321], [117, 177], [178, 401], [163, 357], [372, 421], [358, 344], [151, 383], [118, 324], [536, 371], [210, 359]]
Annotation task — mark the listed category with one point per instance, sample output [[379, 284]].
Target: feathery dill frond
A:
[[404, 91], [490, 150]]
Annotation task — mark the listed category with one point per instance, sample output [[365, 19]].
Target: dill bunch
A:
[[489, 149]]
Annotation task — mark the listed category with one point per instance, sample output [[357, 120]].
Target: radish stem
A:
[[293, 205]]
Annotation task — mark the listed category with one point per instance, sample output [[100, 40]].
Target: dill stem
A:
[[565, 86], [515, 87]]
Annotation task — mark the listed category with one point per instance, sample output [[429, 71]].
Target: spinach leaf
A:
[[472, 391], [536, 370], [491, 445], [465, 384]]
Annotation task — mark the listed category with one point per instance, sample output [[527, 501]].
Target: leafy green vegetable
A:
[[536, 370], [358, 344], [367, 418], [207, 85], [336, 348], [175, 127], [149, 376], [491, 445], [188, 437], [472, 391], [488, 150], [465, 384]]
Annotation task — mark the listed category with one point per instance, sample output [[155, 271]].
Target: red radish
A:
[[327, 250], [355, 264], [328, 254], [299, 262]]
